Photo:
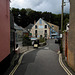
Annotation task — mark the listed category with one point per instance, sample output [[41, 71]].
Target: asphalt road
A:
[[43, 61]]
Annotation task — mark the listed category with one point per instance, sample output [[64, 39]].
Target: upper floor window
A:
[[40, 22], [35, 26], [35, 31], [45, 26], [45, 31]]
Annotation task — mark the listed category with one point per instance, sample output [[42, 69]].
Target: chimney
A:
[[34, 21]]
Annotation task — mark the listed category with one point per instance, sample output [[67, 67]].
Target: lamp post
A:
[[28, 41]]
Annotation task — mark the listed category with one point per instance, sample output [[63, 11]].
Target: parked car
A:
[[35, 42], [33, 39], [57, 40]]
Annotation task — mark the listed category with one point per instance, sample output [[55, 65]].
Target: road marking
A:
[[46, 48], [63, 66], [19, 62], [58, 52]]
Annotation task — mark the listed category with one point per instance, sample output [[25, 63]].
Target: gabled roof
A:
[[19, 27], [56, 28], [29, 27], [43, 21], [50, 25]]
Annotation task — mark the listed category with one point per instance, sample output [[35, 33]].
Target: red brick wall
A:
[[4, 29]]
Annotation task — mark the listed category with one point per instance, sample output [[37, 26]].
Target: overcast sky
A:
[[53, 6]]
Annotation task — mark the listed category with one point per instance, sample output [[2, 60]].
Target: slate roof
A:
[[19, 27], [29, 27], [56, 28]]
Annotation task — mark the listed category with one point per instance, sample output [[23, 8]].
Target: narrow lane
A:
[[52, 45], [41, 62]]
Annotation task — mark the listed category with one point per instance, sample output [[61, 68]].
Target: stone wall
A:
[[63, 43], [71, 36]]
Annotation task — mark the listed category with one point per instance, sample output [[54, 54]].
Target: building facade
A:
[[71, 37], [18, 32], [43, 29], [4, 34], [4, 29], [12, 33]]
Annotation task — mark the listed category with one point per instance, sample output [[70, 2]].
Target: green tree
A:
[[28, 16], [65, 23], [15, 12], [23, 18], [26, 41]]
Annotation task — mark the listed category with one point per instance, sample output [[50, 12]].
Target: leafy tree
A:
[[15, 12], [28, 16], [26, 41], [23, 18], [65, 23], [47, 16]]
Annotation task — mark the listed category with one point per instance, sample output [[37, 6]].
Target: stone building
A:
[[44, 29], [71, 36]]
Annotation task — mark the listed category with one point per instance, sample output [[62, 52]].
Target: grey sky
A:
[[53, 6]]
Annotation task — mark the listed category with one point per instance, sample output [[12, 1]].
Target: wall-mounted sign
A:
[[41, 27], [60, 35]]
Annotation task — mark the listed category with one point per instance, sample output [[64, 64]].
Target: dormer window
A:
[[35, 26], [45, 26]]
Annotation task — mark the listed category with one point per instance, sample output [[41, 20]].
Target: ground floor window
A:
[[45, 35], [36, 36], [40, 36]]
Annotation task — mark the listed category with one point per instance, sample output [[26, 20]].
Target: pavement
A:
[[18, 54]]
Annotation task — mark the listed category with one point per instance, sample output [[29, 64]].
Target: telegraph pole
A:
[[61, 50], [62, 16]]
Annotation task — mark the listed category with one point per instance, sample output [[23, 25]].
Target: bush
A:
[[41, 40], [26, 41]]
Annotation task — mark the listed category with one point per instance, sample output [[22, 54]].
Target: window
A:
[[35, 26], [40, 27], [36, 36], [45, 26], [35, 31], [45, 31], [40, 22], [40, 36]]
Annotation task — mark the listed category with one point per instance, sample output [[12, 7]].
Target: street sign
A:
[[60, 35]]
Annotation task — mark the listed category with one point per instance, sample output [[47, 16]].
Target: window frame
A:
[[45, 26], [35, 26]]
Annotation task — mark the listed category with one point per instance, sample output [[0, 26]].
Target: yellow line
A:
[[63, 66], [19, 62]]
